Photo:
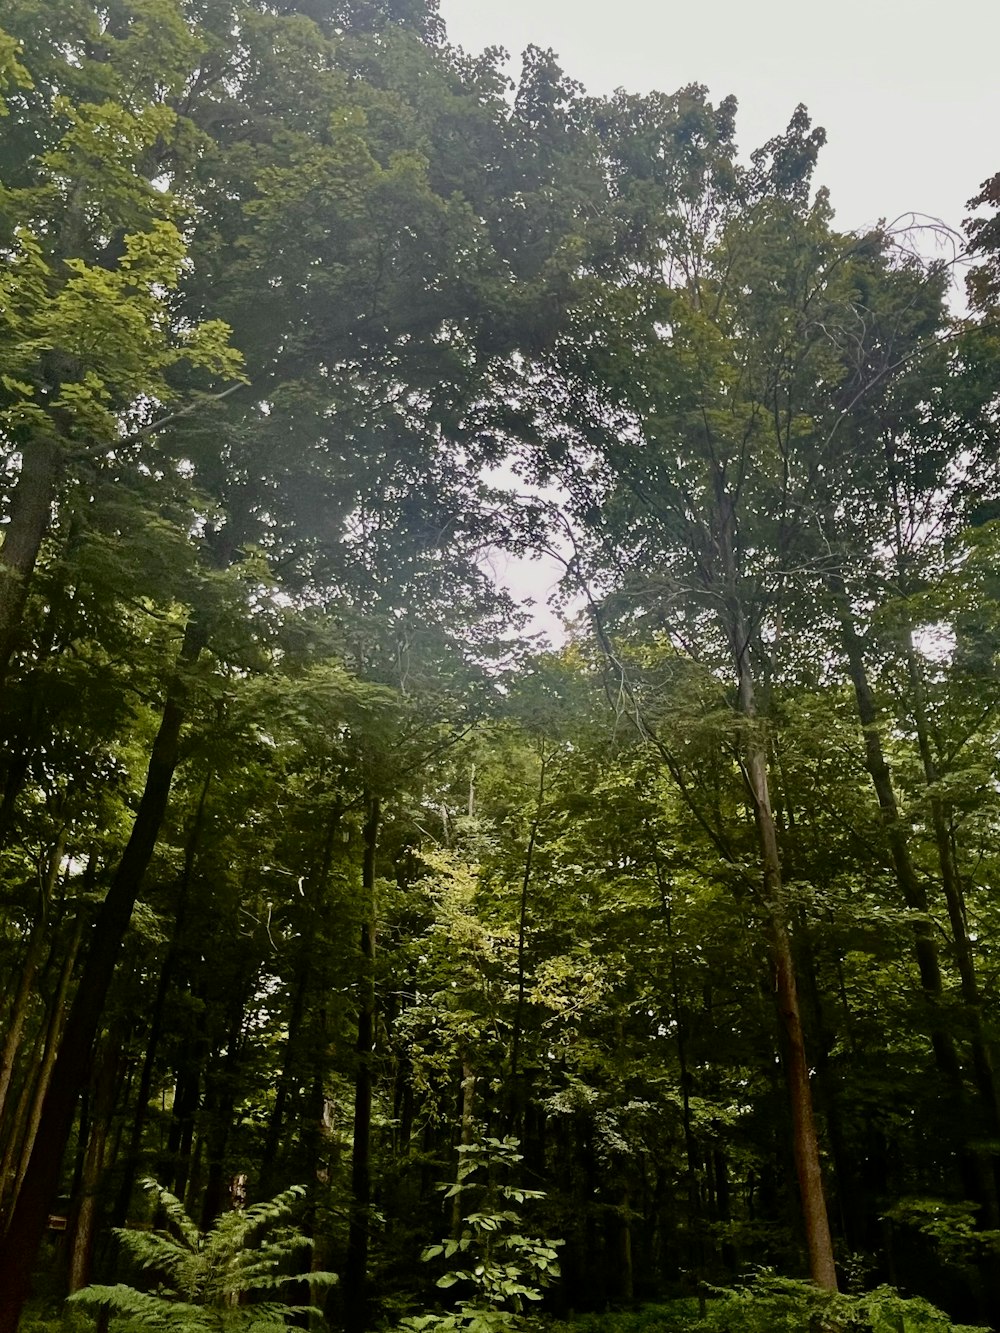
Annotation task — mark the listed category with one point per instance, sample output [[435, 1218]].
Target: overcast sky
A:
[[909, 93]]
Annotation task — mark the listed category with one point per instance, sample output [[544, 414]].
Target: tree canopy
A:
[[649, 972]]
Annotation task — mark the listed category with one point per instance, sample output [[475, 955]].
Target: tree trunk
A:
[[289, 1068], [218, 1113], [134, 1150], [356, 1266], [86, 1205], [848, 1214], [910, 887], [805, 1143], [22, 1000], [221, 1090], [517, 1092], [20, 1245], [25, 1124], [30, 516], [468, 1124], [955, 899], [696, 1229], [293, 1062], [977, 1182]]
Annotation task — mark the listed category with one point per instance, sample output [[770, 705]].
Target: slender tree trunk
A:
[[356, 1265], [804, 1139], [947, 861], [910, 887], [221, 1090], [847, 1195], [134, 1150], [723, 1207], [22, 1000], [977, 1181], [20, 1245], [468, 1123], [720, 579], [982, 1163], [53, 1040], [289, 1068], [805, 1142], [404, 1105], [30, 516], [516, 1099], [623, 1247], [219, 1103], [25, 1125], [955, 899], [696, 1228], [321, 1152], [293, 1060], [174, 1165], [84, 1229]]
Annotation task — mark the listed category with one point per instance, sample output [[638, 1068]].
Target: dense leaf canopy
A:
[[600, 976]]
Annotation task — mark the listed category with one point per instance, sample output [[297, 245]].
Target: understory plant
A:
[[500, 1270], [770, 1304], [225, 1280]]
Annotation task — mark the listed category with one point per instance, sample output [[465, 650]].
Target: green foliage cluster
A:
[[227, 1278], [312, 866], [769, 1302], [503, 1267]]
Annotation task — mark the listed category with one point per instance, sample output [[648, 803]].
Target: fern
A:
[[203, 1279], [771, 1303]]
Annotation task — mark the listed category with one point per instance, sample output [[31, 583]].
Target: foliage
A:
[[769, 1303], [289, 292], [216, 1279], [504, 1267]]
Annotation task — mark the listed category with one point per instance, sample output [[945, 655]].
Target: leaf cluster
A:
[[204, 1280]]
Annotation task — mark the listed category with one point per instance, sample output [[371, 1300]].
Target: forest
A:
[[367, 961]]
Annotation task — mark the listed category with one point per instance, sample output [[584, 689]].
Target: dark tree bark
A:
[[20, 1245], [30, 516], [623, 1247], [679, 1009], [951, 883], [911, 889], [977, 1178], [85, 1208], [218, 1113], [518, 1089], [467, 1123], [134, 1149], [289, 1068], [33, 956], [356, 1265], [180, 1140], [24, 1126], [293, 1061], [221, 1091]]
